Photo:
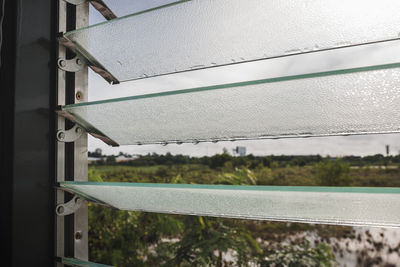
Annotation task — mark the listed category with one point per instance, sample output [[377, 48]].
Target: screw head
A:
[[78, 235], [78, 95], [78, 61], [78, 130], [62, 63], [61, 135], [60, 210]]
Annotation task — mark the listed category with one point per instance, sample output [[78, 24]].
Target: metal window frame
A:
[[72, 164]]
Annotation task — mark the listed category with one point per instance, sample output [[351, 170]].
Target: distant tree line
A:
[[249, 161]]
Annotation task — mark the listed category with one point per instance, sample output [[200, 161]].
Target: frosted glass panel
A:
[[127, 7], [346, 206], [352, 103], [207, 33]]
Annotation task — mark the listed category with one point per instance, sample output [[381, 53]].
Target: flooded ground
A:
[[369, 247], [364, 246]]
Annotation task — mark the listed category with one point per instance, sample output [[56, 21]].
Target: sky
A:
[[99, 89]]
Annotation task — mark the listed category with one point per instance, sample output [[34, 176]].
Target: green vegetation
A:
[[333, 173], [125, 238]]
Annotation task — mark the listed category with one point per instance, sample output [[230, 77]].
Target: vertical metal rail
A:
[[81, 148], [71, 233], [60, 146]]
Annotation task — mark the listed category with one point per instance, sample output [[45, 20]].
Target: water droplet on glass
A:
[[293, 51], [197, 67]]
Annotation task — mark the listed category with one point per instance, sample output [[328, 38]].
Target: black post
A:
[[28, 86]]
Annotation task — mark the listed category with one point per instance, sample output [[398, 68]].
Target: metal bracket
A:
[[70, 135], [90, 129], [93, 64], [100, 5], [70, 207], [71, 65]]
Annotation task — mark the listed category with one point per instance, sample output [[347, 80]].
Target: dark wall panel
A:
[[28, 88]]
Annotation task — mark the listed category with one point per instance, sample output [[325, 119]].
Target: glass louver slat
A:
[[336, 92], [330, 205], [207, 33]]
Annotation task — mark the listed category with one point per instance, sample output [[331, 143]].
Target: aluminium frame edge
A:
[[60, 146], [80, 149], [72, 161]]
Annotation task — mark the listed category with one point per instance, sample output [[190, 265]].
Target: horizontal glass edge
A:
[[278, 219], [97, 134], [87, 54], [239, 84], [322, 189], [266, 59], [80, 263], [336, 205]]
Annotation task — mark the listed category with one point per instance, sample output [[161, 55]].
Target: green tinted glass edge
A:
[[322, 189], [239, 84], [80, 263]]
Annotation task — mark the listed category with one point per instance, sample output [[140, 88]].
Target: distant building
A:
[[93, 159], [124, 158], [240, 151]]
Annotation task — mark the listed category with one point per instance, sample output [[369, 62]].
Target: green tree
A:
[[242, 176], [110, 160], [333, 173], [206, 239], [299, 255]]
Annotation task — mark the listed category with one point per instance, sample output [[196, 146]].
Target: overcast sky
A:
[[334, 146]]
